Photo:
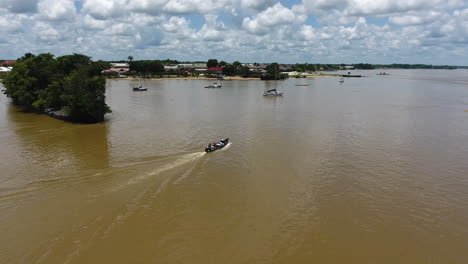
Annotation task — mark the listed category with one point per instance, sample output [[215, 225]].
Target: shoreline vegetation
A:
[[202, 78], [69, 87]]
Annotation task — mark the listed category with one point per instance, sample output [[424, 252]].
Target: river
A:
[[371, 170]]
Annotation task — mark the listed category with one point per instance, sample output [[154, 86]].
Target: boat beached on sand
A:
[[217, 145]]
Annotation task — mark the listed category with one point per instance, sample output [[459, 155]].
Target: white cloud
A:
[[45, 32], [57, 9], [147, 6], [119, 29], [104, 9], [11, 23], [19, 6], [213, 29], [193, 6], [251, 30], [379, 7], [415, 18], [257, 4], [271, 17]]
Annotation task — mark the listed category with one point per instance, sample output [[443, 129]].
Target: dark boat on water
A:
[[272, 92], [139, 89], [217, 145]]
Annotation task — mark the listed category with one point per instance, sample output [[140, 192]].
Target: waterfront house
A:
[[256, 67], [218, 70], [8, 63]]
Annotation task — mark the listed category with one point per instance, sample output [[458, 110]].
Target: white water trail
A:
[[226, 147], [187, 158]]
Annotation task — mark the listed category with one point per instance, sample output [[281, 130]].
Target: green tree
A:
[[212, 63], [84, 96], [72, 82], [130, 58], [19, 85], [222, 64], [245, 72], [273, 71]]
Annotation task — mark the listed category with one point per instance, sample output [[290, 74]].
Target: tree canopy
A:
[[72, 83], [212, 63]]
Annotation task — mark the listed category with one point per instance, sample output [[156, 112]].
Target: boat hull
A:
[[217, 145]]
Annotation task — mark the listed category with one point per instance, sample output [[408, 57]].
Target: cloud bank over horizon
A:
[[295, 31]]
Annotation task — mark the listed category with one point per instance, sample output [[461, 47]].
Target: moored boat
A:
[[214, 85], [272, 92], [139, 89]]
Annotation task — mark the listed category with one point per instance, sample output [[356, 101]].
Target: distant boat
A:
[[139, 89], [351, 75], [304, 84], [214, 85], [383, 73], [272, 92], [341, 79]]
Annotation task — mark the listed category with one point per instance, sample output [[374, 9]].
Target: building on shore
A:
[[8, 63], [120, 68], [256, 67]]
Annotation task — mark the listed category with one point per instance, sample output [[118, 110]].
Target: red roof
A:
[[215, 69], [10, 62]]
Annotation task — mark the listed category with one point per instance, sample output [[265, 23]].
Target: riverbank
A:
[[189, 78], [228, 78]]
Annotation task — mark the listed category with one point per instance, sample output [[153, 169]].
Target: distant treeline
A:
[[417, 66], [148, 68], [72, 84], [368, 66]]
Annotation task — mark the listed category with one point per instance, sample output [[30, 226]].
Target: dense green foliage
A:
[[364, 66], [212, 63], [146, 67], [72, 83], [273, 73], [416, 66]]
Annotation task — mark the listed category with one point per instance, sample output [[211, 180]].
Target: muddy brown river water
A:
[[372, 170]]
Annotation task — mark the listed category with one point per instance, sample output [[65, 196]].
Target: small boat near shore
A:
[[140, 89], [272, 92], [352, 75], [214, 85], [217, 145]]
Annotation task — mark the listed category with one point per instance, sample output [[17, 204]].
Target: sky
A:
[[285, 31]]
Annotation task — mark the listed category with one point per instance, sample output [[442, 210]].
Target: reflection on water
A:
[[372, 170], [49, 147]]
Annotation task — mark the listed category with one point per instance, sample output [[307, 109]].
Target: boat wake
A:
[[226, 147], [182, 160]]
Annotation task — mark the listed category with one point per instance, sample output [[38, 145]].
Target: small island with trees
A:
[[69, 87]]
